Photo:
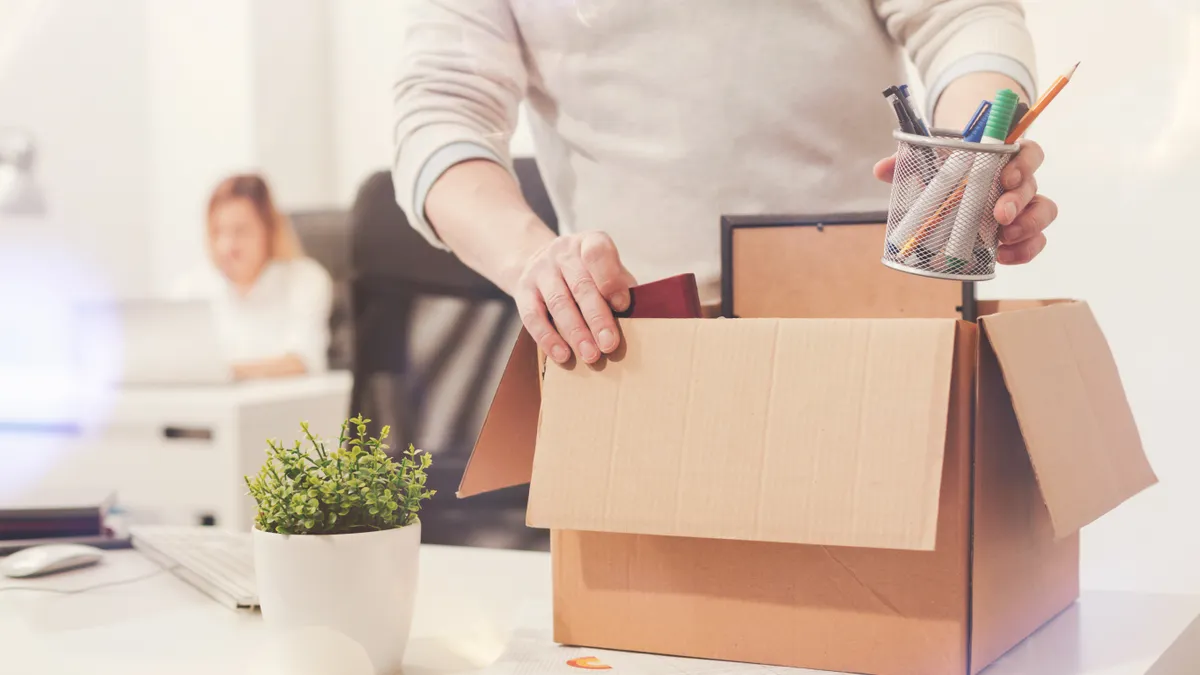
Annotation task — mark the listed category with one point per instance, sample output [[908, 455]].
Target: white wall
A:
[[74, 80], [362, 40], [201, 106], [77, 81], [1123, 154], [365, 35], [235, 85], [293, 109], [139, 107]]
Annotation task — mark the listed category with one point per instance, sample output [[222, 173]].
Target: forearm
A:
[[961, 97], [478, 211]]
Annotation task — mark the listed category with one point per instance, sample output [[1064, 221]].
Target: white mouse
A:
[[39, 560]]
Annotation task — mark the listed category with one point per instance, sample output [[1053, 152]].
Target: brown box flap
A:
[[1072, 411], [987, 307], [503, 454], [787, 430]]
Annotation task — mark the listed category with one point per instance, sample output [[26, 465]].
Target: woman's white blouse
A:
[[286, 311]]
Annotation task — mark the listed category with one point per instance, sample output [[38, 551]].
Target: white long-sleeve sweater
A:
[[652, 118]]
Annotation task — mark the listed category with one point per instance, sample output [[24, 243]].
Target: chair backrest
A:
[[431, 340], [325, 236], [533, 188]]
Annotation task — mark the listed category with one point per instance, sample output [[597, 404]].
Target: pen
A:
[[979, 116], [906, 123], [976, 134], [1022, 108], [912, 112], [960, 246]]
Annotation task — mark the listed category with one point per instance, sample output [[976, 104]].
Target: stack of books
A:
[[48, 518]]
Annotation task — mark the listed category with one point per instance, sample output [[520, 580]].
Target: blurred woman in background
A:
[[271, 303]]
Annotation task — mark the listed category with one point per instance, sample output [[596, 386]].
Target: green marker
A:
[[1001, 117], [969, 220]]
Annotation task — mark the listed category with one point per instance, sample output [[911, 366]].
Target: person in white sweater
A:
[[270, 302], [651, 118]]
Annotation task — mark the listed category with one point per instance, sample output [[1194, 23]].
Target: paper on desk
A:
[[532, 651]]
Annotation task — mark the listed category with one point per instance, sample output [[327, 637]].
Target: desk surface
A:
[[58, 403], [249, 391], [470, 601]]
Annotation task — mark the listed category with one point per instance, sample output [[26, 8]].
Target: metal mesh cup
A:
[[940, 221]]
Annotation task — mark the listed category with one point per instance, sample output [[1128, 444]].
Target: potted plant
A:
[[336, 538]]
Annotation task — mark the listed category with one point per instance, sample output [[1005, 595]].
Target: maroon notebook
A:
[[671, 298]]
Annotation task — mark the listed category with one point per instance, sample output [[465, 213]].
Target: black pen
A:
[[918, 123], [1017, 115], [906, 123]]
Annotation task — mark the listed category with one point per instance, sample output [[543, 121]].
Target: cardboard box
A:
[[885, 496]]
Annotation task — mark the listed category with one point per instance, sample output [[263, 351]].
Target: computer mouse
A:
[[38, 560]]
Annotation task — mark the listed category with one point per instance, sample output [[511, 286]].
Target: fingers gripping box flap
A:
[[785, 430], [1078, 428]]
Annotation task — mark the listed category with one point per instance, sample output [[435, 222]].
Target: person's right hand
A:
[[566, 295]]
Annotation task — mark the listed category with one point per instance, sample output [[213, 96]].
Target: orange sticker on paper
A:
[[588, 663]]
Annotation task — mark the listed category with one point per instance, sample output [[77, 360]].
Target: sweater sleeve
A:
[[455, 96], [947, 39]]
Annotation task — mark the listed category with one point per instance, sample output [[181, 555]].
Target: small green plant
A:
[[354, 488]]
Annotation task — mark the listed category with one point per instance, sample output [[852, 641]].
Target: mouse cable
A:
[[85, 589]]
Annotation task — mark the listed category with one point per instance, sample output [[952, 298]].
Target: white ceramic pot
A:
[[362, 585]]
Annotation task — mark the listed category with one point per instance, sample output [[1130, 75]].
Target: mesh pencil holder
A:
[[940, 220]]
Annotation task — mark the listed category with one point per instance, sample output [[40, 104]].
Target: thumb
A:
[[602, 261], [621, 300], [885, 169]]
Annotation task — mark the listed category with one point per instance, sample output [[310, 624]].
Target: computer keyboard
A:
[[217, 562]]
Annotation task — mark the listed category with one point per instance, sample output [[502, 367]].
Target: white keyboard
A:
[[218, 562]]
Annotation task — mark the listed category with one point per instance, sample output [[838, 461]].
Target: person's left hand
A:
[[1023, 214]]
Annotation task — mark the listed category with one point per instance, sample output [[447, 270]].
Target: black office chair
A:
[[431, 340], [325, 235]]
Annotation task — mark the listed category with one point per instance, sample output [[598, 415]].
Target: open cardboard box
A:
[[885, 496]]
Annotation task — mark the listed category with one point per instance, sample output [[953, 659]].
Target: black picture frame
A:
[[968, 308]]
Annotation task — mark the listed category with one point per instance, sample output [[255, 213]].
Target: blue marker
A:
[[976, 135], [978, 120]]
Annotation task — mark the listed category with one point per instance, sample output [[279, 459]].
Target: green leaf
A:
[[353, 487]]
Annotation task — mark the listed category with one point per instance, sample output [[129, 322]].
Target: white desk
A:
[[469, 602], [121, 440]]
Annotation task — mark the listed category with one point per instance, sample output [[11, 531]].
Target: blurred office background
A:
[[136, 108]]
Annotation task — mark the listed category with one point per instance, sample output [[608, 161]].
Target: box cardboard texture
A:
[[884, 496]]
